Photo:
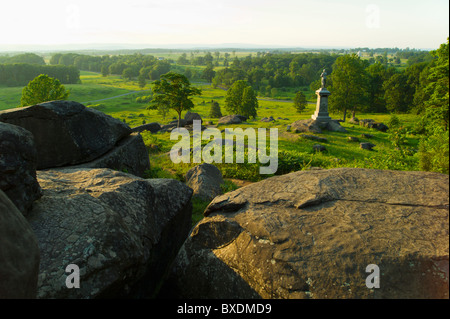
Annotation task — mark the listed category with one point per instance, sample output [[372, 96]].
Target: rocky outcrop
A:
[[120, 230], [152, 127], [18, 159], [205, 180], [130, 155], [304, 126], [73, 134], [231, 119], [19, 253], [313, 126], [268, 119], [66, 133], [373, 124], [312, 234], [190, 117], [366, 146]]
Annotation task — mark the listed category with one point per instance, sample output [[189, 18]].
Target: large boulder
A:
[[313, 126], [120, 230], [205, 180], [130, 155], [152, 127], [19, 253], [370, 123], [231, 119], [335, 126], [66, 132], [305, 126], [317, 234], [18, 160], [190, 117]]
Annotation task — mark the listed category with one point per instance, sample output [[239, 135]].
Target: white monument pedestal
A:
[[321, 113]]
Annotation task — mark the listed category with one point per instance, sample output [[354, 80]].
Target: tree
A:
[[173, 91], [105, 70], [398, 93], [376, 75], [127, 73], [348, 84], [233, 98], [43, 89], [208, 73], [241, 99], [183, 59], [300, 101], [141, 81], [249, 103], [437, 105], [215, 111], [434, 146]]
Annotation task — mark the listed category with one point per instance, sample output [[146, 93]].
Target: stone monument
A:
[[321, 113]]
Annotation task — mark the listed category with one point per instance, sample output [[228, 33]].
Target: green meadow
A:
[[117, 98]]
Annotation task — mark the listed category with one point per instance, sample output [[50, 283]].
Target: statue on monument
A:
[[324, 78]]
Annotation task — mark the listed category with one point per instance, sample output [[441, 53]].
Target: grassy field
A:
[[116, 97]]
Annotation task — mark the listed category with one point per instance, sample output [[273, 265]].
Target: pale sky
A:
[[292, 23]]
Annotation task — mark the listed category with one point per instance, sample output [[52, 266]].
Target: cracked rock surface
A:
[[122, 231], [311, 234]]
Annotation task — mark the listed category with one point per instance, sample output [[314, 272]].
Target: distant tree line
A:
[[143, 67], [29, 58], [19, 74], [358, 85], [267, 70]]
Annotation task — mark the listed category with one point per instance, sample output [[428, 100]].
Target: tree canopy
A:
[[241, 99], [173, 91], [43, 89], [348, 84]]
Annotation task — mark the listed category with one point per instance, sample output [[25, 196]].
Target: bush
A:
[[215, 111], [434, 153], [394, 122]]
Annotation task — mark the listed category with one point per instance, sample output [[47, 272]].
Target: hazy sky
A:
[[338, 23]]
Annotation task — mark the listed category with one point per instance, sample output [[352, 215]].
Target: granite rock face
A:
[[19, 253], [231, 119], [205, 180], [151, 127], [120, 230], [130, 155], [73, 134], [18, 160], [312, 234], [313, 126]]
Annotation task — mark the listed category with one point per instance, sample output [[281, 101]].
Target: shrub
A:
[[434, 153]]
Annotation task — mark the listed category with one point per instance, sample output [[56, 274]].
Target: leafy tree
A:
[[348, 84], [188, 73], [215, 111], [173, 91], [376, 76], [183, 59], [127, 73], [208, 73], [43, 89], [398, 93], [249, 103], [300, 101], [105, 70], [241, 99], [233, 98], [141, 81], [437, 105], [434, 146]]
